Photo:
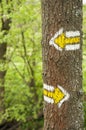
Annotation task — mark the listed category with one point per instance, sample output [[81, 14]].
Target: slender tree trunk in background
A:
[[5, 27], [62, 64], [31, 66], [2, 75], [11, 125]]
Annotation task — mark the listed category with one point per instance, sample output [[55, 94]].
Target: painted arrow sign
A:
[[70, 40], [55, 95]]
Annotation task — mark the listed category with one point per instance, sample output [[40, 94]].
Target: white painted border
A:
[[72, 47], [49, 100], [65, 98], [51, 88], [72, 33], [68, 34], [48, 87], [57, 47], [51, 42]]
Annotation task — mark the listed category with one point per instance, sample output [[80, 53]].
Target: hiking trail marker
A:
[[55, 95], [69, 40]]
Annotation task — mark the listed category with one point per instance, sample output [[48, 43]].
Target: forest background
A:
[[23, 99]]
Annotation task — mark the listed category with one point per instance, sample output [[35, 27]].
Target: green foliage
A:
[[23, 81], [85, 115]]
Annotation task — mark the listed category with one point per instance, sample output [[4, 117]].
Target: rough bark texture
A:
[[64, 67]]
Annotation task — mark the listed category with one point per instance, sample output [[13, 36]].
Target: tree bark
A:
[[62, 64]]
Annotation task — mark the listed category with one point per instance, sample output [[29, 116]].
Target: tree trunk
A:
[[62, 64], [5, 27]]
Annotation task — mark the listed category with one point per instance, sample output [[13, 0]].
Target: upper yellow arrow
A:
[[57, 95], [62, 40]]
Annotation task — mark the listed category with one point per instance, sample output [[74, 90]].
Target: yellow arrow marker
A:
[[62, 40], [57, 95]]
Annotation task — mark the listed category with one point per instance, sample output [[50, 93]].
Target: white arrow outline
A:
[[51, 88], [68, 34], [66, 96]]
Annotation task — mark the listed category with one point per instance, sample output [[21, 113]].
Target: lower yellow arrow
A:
[[57, 95], [62, 40]]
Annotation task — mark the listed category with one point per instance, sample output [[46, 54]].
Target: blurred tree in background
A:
[[5, 21]]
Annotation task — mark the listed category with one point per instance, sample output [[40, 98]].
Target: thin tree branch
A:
[[25, 54], [22, 76]]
